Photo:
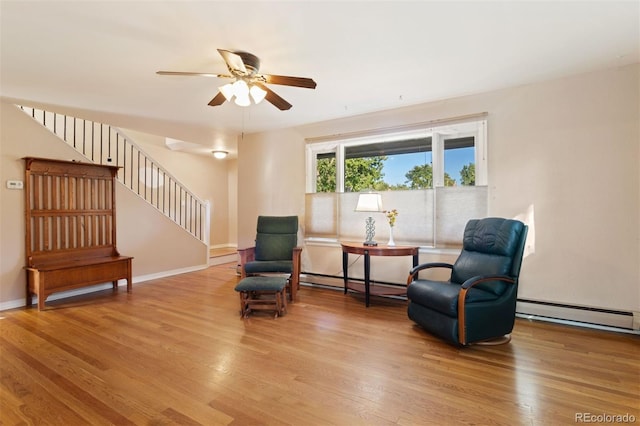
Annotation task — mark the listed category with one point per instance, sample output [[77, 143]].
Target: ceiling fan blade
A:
[[274, 98], [201, 74], [234, 61], [306, 83], [219, 99]]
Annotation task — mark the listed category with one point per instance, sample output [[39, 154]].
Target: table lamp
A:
[[369, 202]]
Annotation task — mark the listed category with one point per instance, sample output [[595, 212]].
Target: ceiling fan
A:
[[244, 68]]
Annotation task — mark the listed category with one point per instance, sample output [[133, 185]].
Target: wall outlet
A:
[[14, 184]]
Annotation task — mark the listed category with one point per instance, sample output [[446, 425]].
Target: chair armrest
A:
[[295, 272], [462, 296], [297, 254], [481, 279], [296, 258], [246, 255], [414, 271]]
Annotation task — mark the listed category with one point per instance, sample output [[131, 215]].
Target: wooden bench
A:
[[70, 233]]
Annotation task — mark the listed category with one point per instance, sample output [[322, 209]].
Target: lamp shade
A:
[[369, 202], [243, 100], [257, 94], [227, 91], [240, 88]]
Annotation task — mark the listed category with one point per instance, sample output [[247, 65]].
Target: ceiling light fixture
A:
[[220, 154], [241, 90]]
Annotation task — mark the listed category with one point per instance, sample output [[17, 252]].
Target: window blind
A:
[[429, 218]]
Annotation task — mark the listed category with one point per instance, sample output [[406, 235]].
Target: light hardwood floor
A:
[[175, 351]]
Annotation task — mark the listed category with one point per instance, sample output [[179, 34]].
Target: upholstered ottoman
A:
[[262, 293]]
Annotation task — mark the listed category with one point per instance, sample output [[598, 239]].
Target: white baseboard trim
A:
[[163, 274], [220, 260], [13, 304], [222, 246]]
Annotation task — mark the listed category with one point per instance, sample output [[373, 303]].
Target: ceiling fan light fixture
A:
[[248, 84], [243, 100], [240, 89], [227, 91], [257, 93]]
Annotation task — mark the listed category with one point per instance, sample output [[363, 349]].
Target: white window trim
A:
[[338, 146], [482, 168]]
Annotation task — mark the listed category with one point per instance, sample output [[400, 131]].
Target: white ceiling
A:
[[102, 56]]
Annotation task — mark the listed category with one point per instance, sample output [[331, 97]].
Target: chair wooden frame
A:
[[265, 300], [293, 282]]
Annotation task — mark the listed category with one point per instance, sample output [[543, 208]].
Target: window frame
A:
[[436, 132]]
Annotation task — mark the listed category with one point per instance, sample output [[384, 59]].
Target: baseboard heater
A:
[[581, 316], [333, 281]]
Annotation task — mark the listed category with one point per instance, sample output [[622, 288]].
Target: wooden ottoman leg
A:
[[289, 287], [278, 303], [283, 297], [243, 304]]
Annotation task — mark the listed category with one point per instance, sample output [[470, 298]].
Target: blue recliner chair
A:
[[478, 303]]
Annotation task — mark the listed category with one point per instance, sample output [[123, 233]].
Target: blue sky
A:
[[396, 166]]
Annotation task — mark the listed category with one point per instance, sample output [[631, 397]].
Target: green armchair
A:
[[478, 303], [275, 251]]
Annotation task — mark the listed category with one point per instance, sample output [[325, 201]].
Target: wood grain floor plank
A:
[[175, 351], [46, 397]]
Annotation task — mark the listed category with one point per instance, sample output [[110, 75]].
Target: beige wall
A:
[[232, 182], [158, 245], [563, 154], [19, 138], [271, 179], [205, 176], [159, 248]]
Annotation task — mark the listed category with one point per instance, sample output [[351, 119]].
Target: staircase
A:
[[102, 144]]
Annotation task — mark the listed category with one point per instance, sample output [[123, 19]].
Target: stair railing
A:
[[103, 144]]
